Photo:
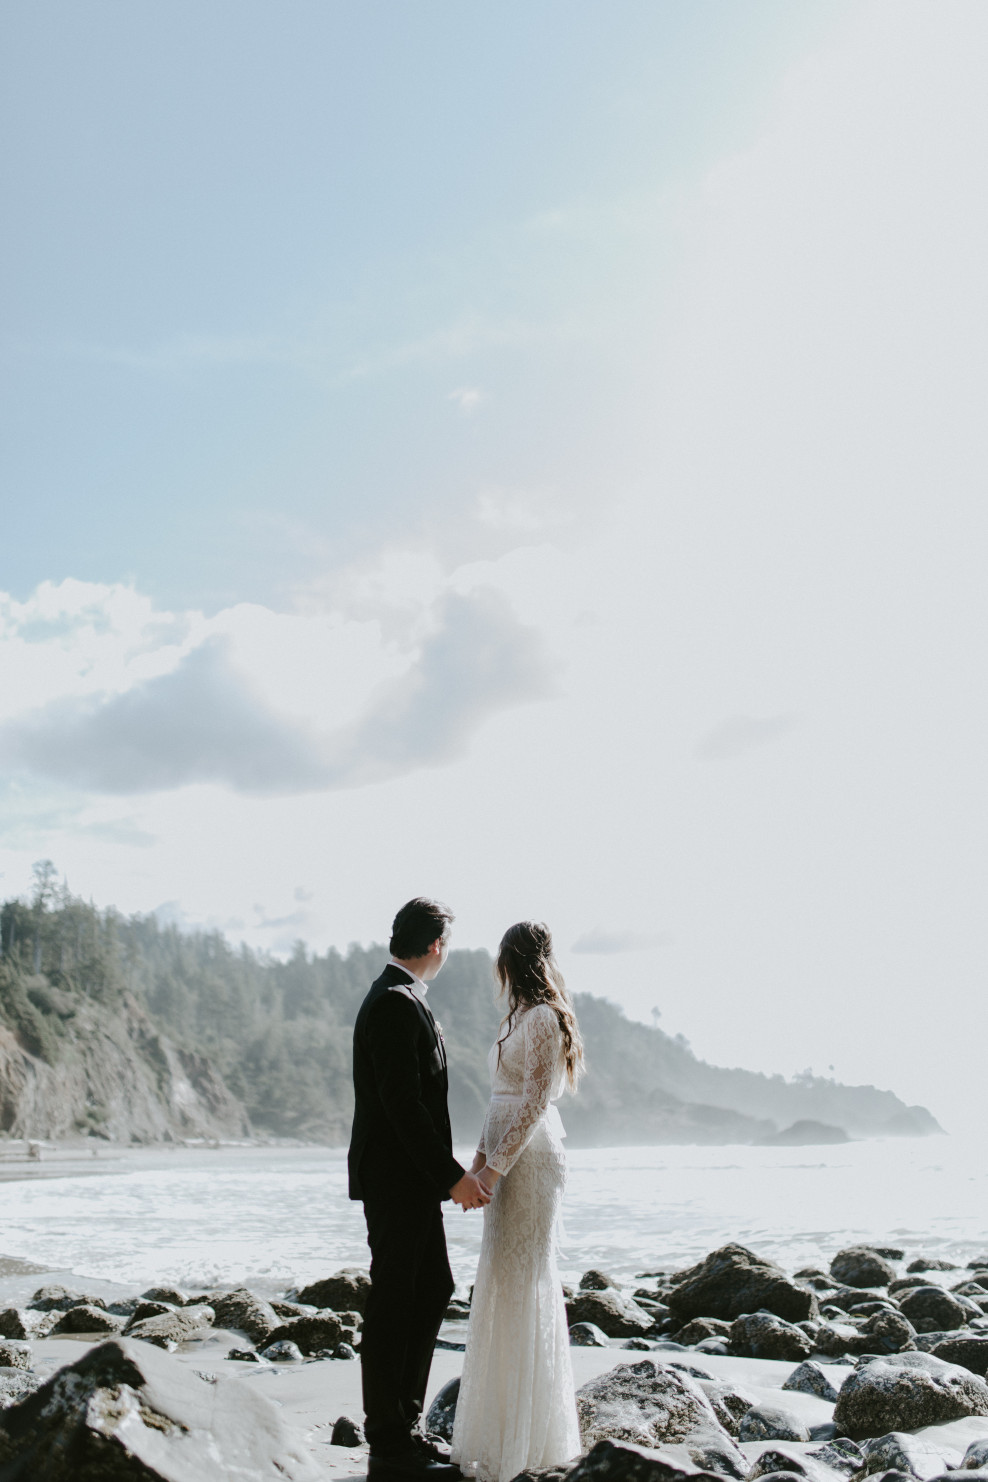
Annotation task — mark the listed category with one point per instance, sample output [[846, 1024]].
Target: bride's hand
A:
[[488, 1177]]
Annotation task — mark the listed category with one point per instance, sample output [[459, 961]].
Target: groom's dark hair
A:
[[417, 925]]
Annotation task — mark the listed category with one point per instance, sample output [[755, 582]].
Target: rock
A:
[[455, 1312], [916, 1456], [244, 1355], [811, 1379], [772, 1423], [763, 1335], [624, 1461], [442, 1412], [889, 1332], [86, 1319], [616, 1315], [321, 1330], [596, 1281], [293, 1309], [979, 1262], [126, 1413], [346, 1291], [15, 1356], [840, 1454], [282, 1352], [733, 1280], [976, 1455], [22, 1323], [245, 1313], [347, 1432], [699, 1328], [141, 1308], [170, 1295], [730, 1404], [930, 1263], [970, 1288], [344, 1351], [170, 1328], [640, 1345], [933, 1304], [587, 1335], [15, 1383], [904, 1392], [904, 1283], [58, 1298], [861, 1265], [971, 1353], [651, 1404], [780, 1461]]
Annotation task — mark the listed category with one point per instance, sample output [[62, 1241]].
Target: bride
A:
[[516, 1408]]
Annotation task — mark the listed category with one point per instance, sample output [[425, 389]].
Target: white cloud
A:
[[467, 399]]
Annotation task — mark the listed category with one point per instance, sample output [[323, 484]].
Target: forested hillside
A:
[[88, 991]]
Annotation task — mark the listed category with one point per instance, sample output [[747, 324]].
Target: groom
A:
[[402, 1166]]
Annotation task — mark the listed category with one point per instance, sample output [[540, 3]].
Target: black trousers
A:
[[411, 1285]]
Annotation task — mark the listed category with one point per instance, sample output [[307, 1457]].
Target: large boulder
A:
[[653, 1405], [931, 1304], [60, 1299], [730, 1404], [904, 1392], [616, 1315], [970, 1352], [733, 1280], [345, 1291], [860, 1265], [245, 1313], [931, 1263], [699, 1328], [598, 1281], [126, 1413], [763, 1335]]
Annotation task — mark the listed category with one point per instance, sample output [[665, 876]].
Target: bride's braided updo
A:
[[527, 971]]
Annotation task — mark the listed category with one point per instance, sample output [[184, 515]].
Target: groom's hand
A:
[[469, 1193]]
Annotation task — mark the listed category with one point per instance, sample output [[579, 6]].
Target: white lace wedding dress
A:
[[516, 1407]]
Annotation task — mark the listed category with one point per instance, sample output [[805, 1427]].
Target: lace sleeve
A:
[[541, 1030]]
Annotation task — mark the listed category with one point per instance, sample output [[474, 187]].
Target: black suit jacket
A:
[[401, 1140]]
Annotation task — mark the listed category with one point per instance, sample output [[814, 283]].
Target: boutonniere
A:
[[439, 1031]]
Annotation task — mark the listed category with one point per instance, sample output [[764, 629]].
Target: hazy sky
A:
[[533, 455]]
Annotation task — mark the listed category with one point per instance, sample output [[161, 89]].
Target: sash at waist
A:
[[500, 1104]]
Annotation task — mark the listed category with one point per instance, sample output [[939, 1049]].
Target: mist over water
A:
[[269, 1217]]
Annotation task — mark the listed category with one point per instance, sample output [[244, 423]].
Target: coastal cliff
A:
[[134, 1031]]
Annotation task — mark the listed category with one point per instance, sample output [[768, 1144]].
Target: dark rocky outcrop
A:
[[126, 1413], [15, 1355], [861, 1266], [699, 1328], [905, 1392], [616, 1315], [930, 1263], [345, 1291], [733, 1280]]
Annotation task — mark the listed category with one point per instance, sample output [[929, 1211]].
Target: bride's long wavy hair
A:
[[528, 973]]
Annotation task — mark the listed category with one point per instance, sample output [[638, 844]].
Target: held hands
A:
[[469, 1192]]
